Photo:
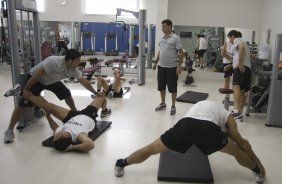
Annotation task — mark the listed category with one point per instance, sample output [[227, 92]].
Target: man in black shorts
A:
[[112, 90], [46, 75], [242, 74], [73, 133], [209, 127], [170, 58]]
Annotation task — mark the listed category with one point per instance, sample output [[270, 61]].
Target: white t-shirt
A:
[[209, 111], [235, 50], [56, 70], [228, 52], [76, 125], [202, 44]]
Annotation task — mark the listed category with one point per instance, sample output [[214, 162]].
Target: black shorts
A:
[[206, 135], [116, 95], [229, 72], [243, 79], [58, 88], [201, 52], [167, 76], [89, 111]]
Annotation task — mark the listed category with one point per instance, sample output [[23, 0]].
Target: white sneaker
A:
[[111, 94], [119, 171], [15, 91], [9, 136], [259, 178]]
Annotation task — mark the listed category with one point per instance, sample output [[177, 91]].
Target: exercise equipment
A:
[[191, 167], [226, 100], [90, 36], [29, 42], [111, 36], [192, 97], [189, 68], [100, 128], [273, 117]]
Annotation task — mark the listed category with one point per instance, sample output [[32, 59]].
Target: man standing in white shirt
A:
[[202, 49]]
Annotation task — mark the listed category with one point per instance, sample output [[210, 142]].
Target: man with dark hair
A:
[[208, 126], [112, 90], [202, 48], [47, 75], [170, 58], [242, 72], [73, 134]]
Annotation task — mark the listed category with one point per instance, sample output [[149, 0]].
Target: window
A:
[[40, 5], [109, 7]]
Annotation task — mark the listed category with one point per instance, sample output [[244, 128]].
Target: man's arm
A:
[[157, 60], [241, 48], [51, 122], [85, 83], [237, 138], [85, 144], [180, 57], [223, 52]]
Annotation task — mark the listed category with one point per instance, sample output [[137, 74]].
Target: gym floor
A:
[[134, 124]]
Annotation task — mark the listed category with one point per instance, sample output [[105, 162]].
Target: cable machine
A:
[[22, 62]]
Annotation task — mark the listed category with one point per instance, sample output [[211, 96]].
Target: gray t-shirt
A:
[[56, 70], [169, 46]]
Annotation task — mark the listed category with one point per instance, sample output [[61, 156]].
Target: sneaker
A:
[[119, 171], [162, 106], [259, 178], [238, 116], [105, 112], [172, 110], [38, 113], [15, 91], [110, 94], [9, 136]]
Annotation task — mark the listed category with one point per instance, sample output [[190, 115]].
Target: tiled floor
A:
[[134, 124]]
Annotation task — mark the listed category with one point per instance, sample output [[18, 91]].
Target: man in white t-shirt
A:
[[73, 133], [242, 74], [202, 49], [112, 90], [209, 127], [226, 53], [46, 75]]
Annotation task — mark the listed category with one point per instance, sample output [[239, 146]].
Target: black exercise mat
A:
[[191, 167], [192, 97], [100, 127]]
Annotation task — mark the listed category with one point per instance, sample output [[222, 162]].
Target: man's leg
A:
[[99, 102], [242, 100], [163, 93], [102, 83], [237, 96], [57, 111], [70, 102], [242, 157], [227, 82], [173, 98], [140, 155], [117, 86]]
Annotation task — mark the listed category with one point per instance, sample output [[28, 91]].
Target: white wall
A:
[[73, 11], [219, 13], [151, 7], [271, 19]]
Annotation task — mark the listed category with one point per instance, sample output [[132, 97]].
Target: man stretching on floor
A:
[[112, 90], [73, 134], [208, 126]]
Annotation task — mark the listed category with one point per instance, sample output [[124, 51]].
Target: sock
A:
[[121, 163], [235, 111], [256, 169]]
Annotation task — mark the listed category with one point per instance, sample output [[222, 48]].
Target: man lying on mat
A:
[[112, 90], [73, 133], [208, 126]]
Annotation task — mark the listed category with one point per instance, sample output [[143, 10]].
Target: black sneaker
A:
[[162, 106], [172, 110], [105, 113]]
